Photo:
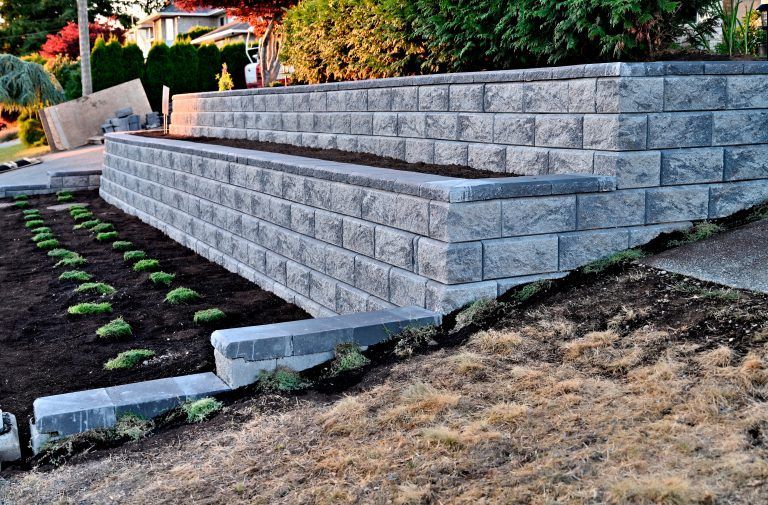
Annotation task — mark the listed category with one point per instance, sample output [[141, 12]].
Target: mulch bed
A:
[[45, 351], [370, 160]]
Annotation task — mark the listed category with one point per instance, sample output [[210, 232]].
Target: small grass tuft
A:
[[42, 236], [47, 245], [133, 255], [122, 245], [106, 237], [103, 227], [65, 196], [282, 379], [698, 232], [129, 359], [64, 192], [414, 339], [87, 225], [199, 410], [621, 257], [179, 296], [31, 212], [117, 328], [95, 287], [529, 290], [75, 275], [348, 358], [32, 217], [87, 309], [476, 312], [209, 316], [132, 427], [61, 253], [71, 261], [23, 204], [35, 223], [146, 265], [161, 278], [83, 216], [42, 229], [21, 198]]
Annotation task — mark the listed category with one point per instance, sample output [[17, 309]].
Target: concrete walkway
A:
[[76, 160], [737, 258]]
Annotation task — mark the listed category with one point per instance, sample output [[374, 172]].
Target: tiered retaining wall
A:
[[645, 148]]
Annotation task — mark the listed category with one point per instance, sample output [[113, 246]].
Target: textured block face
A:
[[678, 203], [358, 236], [72, 413], [581, 95], [433, 98], [443, 298], [611, 210], [475, 127], [747, 162], [466, 97], [632, 170], [672, 130], [450, 153], [512, 257], [687, 166], [630, 95], [442, 126], [487, 157], [747, 92], [615, 132], [450, 263], [694, 93], [727, 199], [373, 276], [559, 130], [462, 222], [740, 127], [406, 288], [506, 97], [515, 129], [527, 160], [545, 96], [394, 246], [579, 248], [532, 216]]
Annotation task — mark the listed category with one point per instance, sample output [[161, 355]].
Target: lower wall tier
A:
[[319, 235]]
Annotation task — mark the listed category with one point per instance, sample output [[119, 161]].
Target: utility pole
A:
[[85, 47]]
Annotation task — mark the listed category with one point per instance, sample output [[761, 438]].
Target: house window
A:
[[221, 21], [169, 31]]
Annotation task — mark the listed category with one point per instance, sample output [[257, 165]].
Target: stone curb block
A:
[[10, 450]]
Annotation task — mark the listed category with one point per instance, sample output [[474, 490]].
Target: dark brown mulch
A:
[[370, 160], [45, 351]]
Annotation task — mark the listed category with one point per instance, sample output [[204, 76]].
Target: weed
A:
[[208, 316], [621, 257], [95, 287], [122, 245], [22, 204], [698, 232], [61, 253], [87, 225], [35, 223], [42, 236], [83, 216], [476, 312], [147, 265], [414, 339], [42, 229], [103, 227], [87, 309], [529, 290], [75, 275], [133, 255], [106, 237], [281, 379], [48, 244], [199, 410], [727, 295], [72, 261], [161, 278], [19, 198], [132, 427], [348, 357], [129, 359], [116, 328], [181, 295]]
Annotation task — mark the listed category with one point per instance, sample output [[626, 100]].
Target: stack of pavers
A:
[[125, 120]]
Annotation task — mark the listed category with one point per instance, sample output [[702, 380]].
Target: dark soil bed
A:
[[45, 351], [371, 160]]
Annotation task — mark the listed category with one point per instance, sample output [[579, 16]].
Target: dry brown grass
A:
[[544, 413]]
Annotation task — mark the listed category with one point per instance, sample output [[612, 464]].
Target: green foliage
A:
[[727, 295], [476, 312], [626, 256], [697, 232], [183, 60], [122, 245], [75, 275], [18, 198], [132, 427], [61, 253], [31, 217], [107, 65], [67, 72], [106, 237], [95, 287], [83, 216], [134, 255], [146, 265], [194, 32], [31, 212], [208, 316], [532, 289], [282, 379], [34, 223], [414, 339], [348, 358], [42, 229], [87, 224], [102, 227], [65, 198], [115, 329], [161, 278], [87, 309], [199, 410], [234, 56], [31, 131], [133, 62], [46, 245], [157, 73], [224, 79], [129, 359], [180, 296], [71, 261], [42, 236], [21, 204], [349, 40], [208, 65], [26, 86]]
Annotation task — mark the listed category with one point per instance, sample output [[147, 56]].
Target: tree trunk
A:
[[269, 50], [85, 47]]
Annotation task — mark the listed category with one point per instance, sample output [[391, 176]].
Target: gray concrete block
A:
[[372, 276], [10, 449], [687, 166], [394, 247], [443, 298], [643, 234], [740, 127], [450, 263], [76, 412], [632, 169], [475, 127], [433, 98], [545, 96], [615, 132], [611, 210], [340, 264], [559, 130], [461, 222], [677, 203], [322, 289], [527, 160], [329, 227], [380, 99], [358, 236], [532, 216], [443, 126], [579, 248], [581, 95], [252, 343], [303, 219], [350, 300], [487, 157], [237, 372], [411, 124], [451, 153], [570, 161], [725, 199], [510, 257], [405, 98], [466, 97], [419, 151], [505, 97], [274, 265], [406, 288], [746, 92], [346, 199], [385, 123], [687, 93], [361, 123], [297, 277], [516, 129], [679, 129], [621, 94], [746, 162]]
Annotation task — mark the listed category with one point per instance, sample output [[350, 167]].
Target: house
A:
[[170, 21], [230, 33]]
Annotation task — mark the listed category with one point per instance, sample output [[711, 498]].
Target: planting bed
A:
[[45, 351]]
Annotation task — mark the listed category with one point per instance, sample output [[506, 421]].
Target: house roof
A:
[[171, 11], [223, 32]]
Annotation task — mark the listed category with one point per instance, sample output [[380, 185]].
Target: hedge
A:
[[208, 65]]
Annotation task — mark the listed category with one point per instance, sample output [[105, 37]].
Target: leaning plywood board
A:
[[70, 124]]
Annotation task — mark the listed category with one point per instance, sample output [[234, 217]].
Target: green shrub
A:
[[34, 223], [121, 245], [208, 316], [348, 357], [626, 256], [95, 287], [64, 192], [116, 329], [208, 65], [134, 255], [42, 229], [31, 212], [33, 217], [132, 427], [161, 278], [83, 216], [71, 261], [157, 73], [282, 379], [49, 244], [31, 131], [77, 207], [65, 198], [183, 60], [42, 236], [61, 253], [195, 32], [22, 204], [106, 237], [199, 410], [147, 265], [102, 227], [86, 225], [234, 56], [129, 359], [85, 309], [75, 275], [107, 65], [182, 295], [133, 62], [18, 198]]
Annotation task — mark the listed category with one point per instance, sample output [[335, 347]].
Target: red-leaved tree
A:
[[263, 15], [67, 40]]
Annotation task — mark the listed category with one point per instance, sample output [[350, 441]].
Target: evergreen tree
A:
[[234, 56], [107, 64], [157, 74], [183, 60], [208, 65], [133, 61]]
